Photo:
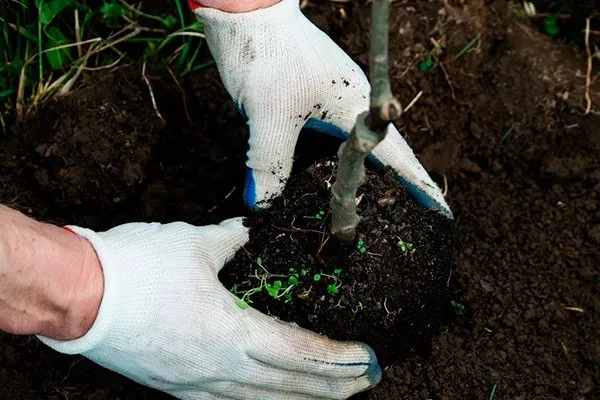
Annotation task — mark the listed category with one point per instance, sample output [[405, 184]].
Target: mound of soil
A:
[[94, 147], [388, 288]]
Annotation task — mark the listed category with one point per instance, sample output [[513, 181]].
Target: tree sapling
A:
[[370, 129]]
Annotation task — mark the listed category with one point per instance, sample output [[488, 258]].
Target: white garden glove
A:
[[284, 74], [166, 322]]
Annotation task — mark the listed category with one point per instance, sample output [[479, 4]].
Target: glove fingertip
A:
[[261, 187], [425, 199], [235, 224], [373, 371]]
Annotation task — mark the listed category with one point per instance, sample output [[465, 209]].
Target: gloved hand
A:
[[284, 74], [166, 322]]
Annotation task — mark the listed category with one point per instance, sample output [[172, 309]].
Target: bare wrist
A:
[[52, 280], [239, 6]]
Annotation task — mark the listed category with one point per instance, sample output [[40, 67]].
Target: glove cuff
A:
[[104, 319], [278, 12]]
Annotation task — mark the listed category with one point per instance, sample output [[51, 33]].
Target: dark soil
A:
[[391, 295], [526, 198]]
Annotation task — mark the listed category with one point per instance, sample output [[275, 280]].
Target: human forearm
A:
[[51, 280], [237, 6]]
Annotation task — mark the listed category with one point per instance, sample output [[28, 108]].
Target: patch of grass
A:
[[46, 45]]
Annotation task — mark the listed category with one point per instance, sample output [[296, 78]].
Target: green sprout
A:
[[259, 261], [332, 289], [320, 214], [551, 26], [273, 290], [292, 280], [458, 307], [303, 271], [406, 247], [361, 246], [278, 289], [241, 304], [246, 300], [286, 287], [427, 64]]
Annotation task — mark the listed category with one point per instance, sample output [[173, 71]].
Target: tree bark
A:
[[370, 129]]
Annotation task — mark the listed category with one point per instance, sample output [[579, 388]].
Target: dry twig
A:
[[588, 75], [151, 93], [413, 101]]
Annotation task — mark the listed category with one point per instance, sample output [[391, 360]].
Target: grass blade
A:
[[51, 8], [468, 47]]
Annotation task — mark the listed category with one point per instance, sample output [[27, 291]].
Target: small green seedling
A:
[[287, 287], [405, 247], [320, 214], [292, 280], [332, 289], [458, 307], [273, 289], [427, 64], [551, 26], [303, 271], [361, 246], [241, 304], [246, 300]]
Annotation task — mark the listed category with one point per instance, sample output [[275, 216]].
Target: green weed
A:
[[320, 214], [361, 246], [405, 247], [297, 282]]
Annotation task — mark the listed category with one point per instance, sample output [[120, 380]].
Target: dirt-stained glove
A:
[[284, 74], [166, 322]]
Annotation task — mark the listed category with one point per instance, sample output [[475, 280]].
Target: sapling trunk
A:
[[370, 129]]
